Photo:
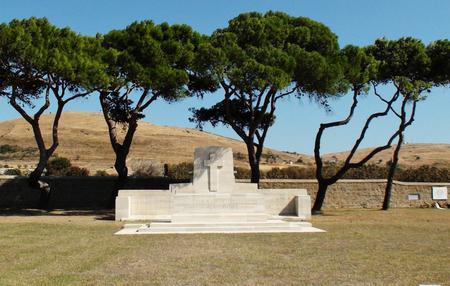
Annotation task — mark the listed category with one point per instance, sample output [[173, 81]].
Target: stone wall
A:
[[94, 192], [363, 193], [71, 192]]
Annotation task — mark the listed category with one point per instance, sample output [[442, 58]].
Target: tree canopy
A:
[[156, 60], [37, 60], [36, 53], [276, 50], [405, 63], [261, 58], [439, 54], [147, 62]]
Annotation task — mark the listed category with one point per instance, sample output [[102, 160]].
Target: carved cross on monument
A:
[[214, 166]]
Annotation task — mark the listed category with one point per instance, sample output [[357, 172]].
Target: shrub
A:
[[424, 173], [242, 173], [180, 171], [77, 172], [269, 157], [147, 168], [29, 151], [239, 156], [299, 173], [370, 171], [275, 173], [13, 172], [292, 172], [101, 173], [60, 166], [6, 148]]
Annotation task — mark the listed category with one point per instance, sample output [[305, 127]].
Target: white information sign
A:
[[440, 193], [413, 197]]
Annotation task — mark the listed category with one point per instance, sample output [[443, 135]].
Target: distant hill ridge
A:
[[411, 155], [84, 140]]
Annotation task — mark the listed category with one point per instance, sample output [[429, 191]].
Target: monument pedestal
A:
[[270, 226], [214, 203], [218, 207]]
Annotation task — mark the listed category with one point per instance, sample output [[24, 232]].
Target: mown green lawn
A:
[[361, 247]]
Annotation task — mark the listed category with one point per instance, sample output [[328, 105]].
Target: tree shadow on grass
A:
[[100, 214]]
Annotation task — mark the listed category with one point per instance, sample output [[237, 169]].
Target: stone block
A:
[[281, 201], [213, 170], [245, 188], [122, 208], [181, 188], [218, 206], [303, 207], [143, 204]]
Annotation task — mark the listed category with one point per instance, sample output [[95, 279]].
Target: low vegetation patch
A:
[[147, 168], [5, 149], [13, 172], [60, 166], [16, 152], [423, 173], [180, 171]]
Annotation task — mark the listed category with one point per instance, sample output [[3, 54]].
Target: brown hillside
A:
[[84, 140], [411, 155]]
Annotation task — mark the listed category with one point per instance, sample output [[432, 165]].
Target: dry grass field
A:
[[360, 247], [84, 140]]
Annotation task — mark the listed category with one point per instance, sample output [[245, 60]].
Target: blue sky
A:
[[357, 22]]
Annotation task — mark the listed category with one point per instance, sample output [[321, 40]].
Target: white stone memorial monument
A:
[[214, 203]]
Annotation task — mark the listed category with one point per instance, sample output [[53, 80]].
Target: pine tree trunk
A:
[[35, 183], [392, 169], [122, 171], [255, 173], [121, 168], [253, 162], [320, 197]]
